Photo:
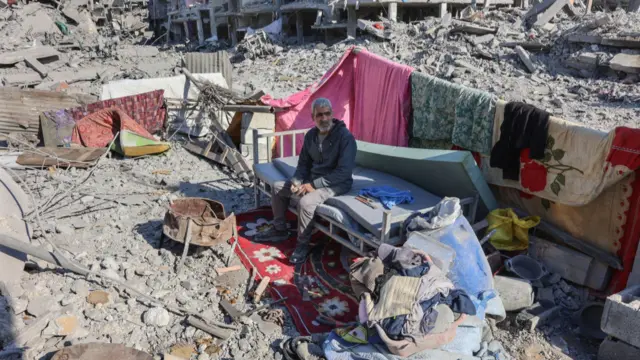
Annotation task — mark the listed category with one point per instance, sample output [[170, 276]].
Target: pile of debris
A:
[[496, 51], [78, 45]]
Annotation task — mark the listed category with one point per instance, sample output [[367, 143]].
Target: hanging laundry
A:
[[388, 196], [446, 111], [524, 127]]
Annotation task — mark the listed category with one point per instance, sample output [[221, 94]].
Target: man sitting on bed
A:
[[324, 170]]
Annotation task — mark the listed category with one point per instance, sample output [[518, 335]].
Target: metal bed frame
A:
[[332, 230]]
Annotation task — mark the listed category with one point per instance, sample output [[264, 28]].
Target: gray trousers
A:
[[280, 199]]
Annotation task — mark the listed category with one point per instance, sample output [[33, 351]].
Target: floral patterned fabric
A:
[[98, 129], [443, 110], [317, 290]]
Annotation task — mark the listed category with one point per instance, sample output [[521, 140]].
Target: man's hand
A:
[[304, 189]]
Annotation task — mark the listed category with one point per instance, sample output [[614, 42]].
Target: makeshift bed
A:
[[428, 174]]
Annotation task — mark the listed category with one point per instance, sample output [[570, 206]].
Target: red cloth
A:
[[371, 94], [325, 273], [97, 130], [146, 109]]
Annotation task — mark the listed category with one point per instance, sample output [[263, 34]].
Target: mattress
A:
[[345, 209]]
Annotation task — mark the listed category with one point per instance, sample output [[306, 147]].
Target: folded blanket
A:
[[388, 196]]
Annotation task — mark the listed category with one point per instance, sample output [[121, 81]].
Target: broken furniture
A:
[[450, 173], [198, 221]]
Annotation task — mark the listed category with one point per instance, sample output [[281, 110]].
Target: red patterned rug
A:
[[327, 295]]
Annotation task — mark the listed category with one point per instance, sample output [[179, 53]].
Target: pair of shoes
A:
[[272, 235], [300, 254]]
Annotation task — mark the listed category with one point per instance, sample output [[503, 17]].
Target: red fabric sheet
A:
[[371, 94], [98, 129]]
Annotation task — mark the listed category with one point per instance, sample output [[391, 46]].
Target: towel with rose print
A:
[[318, 291]]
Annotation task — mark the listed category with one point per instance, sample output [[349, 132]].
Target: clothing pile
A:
[[408, 300]]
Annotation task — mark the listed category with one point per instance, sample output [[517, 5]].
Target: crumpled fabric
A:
[[396, 298], [443, 110], [363, 274], [443, 214], [405, 261], [388, 195], [97, 130]]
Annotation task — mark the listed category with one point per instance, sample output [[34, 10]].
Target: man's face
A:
[[323, 117]]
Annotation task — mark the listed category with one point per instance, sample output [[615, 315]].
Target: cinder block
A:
[[621, 316], [247, 152], [258, 121], [570, 264], [614, 349], [247, 136]]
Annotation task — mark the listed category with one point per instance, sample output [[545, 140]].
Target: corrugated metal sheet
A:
[[207, 63], [22, 108]]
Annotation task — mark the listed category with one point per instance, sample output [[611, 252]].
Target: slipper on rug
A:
[[324, 275]]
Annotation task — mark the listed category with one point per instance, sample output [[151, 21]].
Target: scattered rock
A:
[[98, 297], [95, 314], [186, 284], [80, 288], [67, 325], [110, 263], [41, 305], [64, 229], [110, 273], [157, 317]]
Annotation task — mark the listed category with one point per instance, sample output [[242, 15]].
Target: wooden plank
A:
[[63, 157]]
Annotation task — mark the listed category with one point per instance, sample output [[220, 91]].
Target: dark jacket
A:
[[333, 167]]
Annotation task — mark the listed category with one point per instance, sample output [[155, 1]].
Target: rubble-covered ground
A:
[[112, 222]]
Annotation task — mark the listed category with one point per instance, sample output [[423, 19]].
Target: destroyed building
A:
[[140, 143]]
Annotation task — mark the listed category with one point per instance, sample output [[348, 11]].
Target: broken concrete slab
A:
[[599, 40], [461, 26], [626, 62], [527, 45], [537, 316], [477, 40], [22, 79], [37, 22], [42, 52], [36, 65], [614, 349], [621, 316], [550, 12], [138, 51], [524, 56], [73, 76]]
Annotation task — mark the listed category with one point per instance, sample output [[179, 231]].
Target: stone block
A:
[[614, 349], [626, 62], [258, 121], [246, 136], [621, 316], [570, 264], [247, 152]]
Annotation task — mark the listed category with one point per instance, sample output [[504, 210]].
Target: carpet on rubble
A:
[[326, 270]]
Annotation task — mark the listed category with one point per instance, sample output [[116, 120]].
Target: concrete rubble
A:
[[585, 69]]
